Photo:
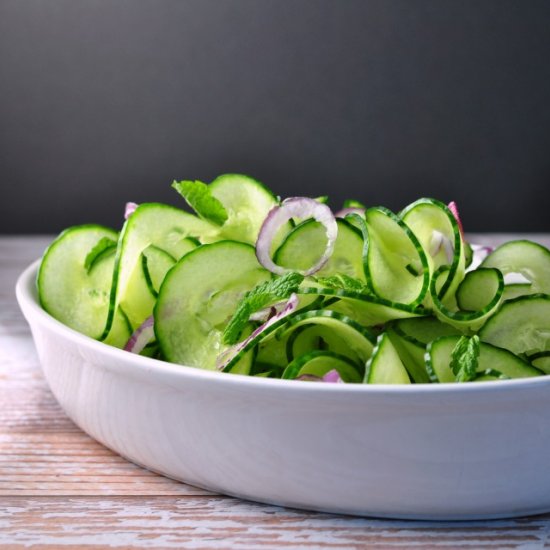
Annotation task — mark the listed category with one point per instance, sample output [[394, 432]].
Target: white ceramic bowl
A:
[[426, 451]]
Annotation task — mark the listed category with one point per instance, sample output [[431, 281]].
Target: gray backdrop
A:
[[107, 101]]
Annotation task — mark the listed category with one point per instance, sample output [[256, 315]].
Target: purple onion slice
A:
[[295, 207], [141, 337], [129, 209], [332, 376]]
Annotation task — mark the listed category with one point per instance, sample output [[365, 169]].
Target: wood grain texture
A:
[[59, 488]]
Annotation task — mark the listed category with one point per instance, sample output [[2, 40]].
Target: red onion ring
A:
[[129, 209], [454, 210], [295, 207], [332, 376], [141, 336], [479, 252]]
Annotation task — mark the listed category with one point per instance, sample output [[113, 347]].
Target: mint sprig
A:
[[464, 358], [344, 282], [198, 196], [260, 297], [102, 247]]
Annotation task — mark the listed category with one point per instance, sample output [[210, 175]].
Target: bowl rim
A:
[[27, 297]]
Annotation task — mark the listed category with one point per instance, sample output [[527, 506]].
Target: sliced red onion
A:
[[227, 355], [454, 209], [332, 376], [265, 314], [345, 211], [141, 337], [479, 252], [439, 240], [295, 207], [129, 209]]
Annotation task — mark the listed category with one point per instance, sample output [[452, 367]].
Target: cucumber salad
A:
[[259, 286]]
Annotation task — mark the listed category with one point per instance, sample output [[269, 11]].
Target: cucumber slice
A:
[[530, 259], [391, 258], [318, 363], [163, 226], [515, 290], [155, 263], [411, 353], [340, 334], [438, 359], [75, 276], [198, 297], [364, 308], [247, 202], [425, 216], [522, 325], [478, 288], [306, 243], [385, 365], [422, 330], [541, 361], [490, 281]]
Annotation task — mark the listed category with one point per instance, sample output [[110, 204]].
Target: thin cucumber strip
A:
[[364, 308], [422, 330], [515, 290], [306, 243], [318, 363], [385, 365], [361, 338], [478, 288], [521, 325], [198, 297], [155, 263], [339, 334], [391, 256], [431, 220], [541, 361], [72, 290], [438, 359], [470, 320], [528, 258], [411, 354], [155, 224], [247, 203]]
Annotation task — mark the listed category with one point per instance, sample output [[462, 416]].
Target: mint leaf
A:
[[198, 197], [260, 297], [345, 282], [103, 246], [351, 203], [464, 358]]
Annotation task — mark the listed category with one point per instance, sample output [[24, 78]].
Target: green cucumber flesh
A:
[[425, 216], [198, 297], [411, 354], [385, 365], [71, 291], [247, 202], [527, 258], [163, 226], [306, 243], [521, 325], [318, 363], [438, 359], [391, 249]]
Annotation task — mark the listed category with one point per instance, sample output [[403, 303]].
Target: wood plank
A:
[[221, 522]]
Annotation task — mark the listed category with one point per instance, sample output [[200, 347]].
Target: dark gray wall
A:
[[107, 101]]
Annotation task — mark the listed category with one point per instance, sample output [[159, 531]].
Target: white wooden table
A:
[[60, 488]]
